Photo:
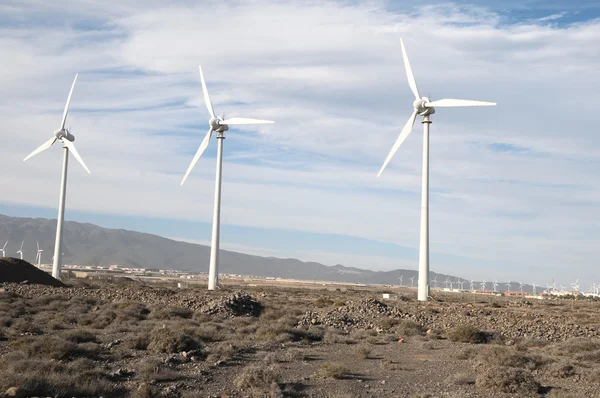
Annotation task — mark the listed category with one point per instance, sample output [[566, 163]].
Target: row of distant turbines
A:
[[422, 106], [38, 256], [472, 285]]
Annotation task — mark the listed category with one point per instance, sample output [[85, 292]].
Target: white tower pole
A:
[[57, 265], [213, 274], [424, 243]]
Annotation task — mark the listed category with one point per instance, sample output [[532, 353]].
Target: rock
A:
[[14, 392]]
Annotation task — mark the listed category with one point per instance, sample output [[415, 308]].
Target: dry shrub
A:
[[362, 351], [171, 313], [467, 353], [155, 370], [411, 328], [591, 356], [531, 343], [507, 380], [127, 311], [103, 319], [388, 322], [507, 357], [576, 346], [209, 332], [168, 340], [332, 370], [334, 336], [467, 334], [323, 302], [560, 393], [461, 379], [139, 341], [221, 352], [26, 325], [80, 336], [561, 370], [52, 378], [257, 377], [56, 348]]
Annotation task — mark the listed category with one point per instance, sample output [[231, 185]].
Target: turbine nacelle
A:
[[420, 106], [217, 124], [64, 134]]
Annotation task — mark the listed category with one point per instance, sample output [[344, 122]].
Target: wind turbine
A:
[[576, 285], [534, 286], [219, 125], [508, 286], [66, 138], [446, 282], [38, 256], [495, 285], [435, 282], [483, 285], [423, 107], [412, 281], [472, 285], [521, 287], [401, 276], [20, 252], [4, 250]]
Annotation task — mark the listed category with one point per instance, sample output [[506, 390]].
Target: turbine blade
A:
[[73, 150], [411, 79], [205, 91], [403, 134], [201, 149], [42, 147], [243, 120], [64, 118], [450, 103]]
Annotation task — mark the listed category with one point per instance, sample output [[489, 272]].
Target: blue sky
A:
[[514, 189]]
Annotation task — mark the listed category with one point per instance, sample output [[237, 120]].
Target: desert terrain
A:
[[131, 339]]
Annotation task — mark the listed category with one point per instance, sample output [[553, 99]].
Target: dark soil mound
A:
[[14, 270]]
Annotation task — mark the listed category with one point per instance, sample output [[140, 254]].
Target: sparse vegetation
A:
[[507, 380], [332, 370], [467, 334]]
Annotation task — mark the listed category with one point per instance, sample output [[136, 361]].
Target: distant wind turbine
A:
[[38, 256], [425, 108], [483, 285], [219, 125], [534, 286], [508, 285], [4, 250], [20, 252], [66, 138], [412, 281]]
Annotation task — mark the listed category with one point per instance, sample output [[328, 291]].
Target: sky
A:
[[514, 188]]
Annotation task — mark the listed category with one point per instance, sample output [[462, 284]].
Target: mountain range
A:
[[89, 244]]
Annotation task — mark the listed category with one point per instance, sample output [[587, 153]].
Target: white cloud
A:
[[332, 77]]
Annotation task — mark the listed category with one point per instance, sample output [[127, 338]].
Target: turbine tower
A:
[[38, 256], [4, 250], [219, 125], [20, 252], [66, 138], [534, 286], [425, 108]]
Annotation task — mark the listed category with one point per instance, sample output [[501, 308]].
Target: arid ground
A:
[[130, 339]]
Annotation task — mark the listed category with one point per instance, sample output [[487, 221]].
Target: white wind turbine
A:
[[219, 125], [66, 138], [575, 285], [534, 286], [424, 107], [472, 285], [483, 285], [495, 285], [508, 285], [20, 252], [412, 281], [401, 276], [4, 250], [446, 282], [38, 256], [435, 282], [521, 287]]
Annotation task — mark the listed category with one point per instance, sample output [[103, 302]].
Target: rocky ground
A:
[[129, 339]]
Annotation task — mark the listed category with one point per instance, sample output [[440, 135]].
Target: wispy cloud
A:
[[331, 75]]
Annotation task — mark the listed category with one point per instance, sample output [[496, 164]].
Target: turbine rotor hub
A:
[[422, 110], [216, 123], [64, 134]]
